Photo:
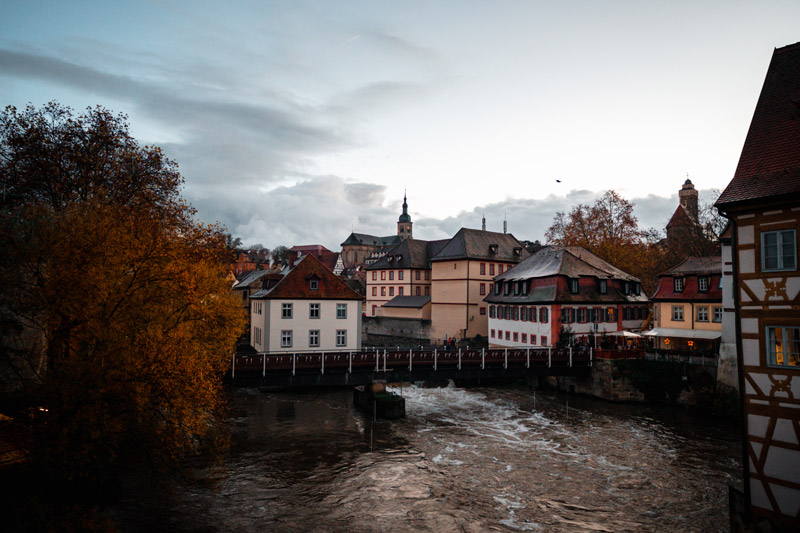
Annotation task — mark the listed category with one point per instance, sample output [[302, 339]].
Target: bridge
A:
[[341, 368]]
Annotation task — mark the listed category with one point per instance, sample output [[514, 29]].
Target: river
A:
[[477, 459]]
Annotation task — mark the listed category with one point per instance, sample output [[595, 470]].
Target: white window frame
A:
[[287, 310], [341, 337], [314, 311], [679, 284], [784, 237], [702, 313], [677, 313], [770, 342], [313, 338], [341, 311], [717, 314], [286, 338], [703, 283]]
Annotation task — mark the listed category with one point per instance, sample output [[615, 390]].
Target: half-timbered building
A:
[[763, 204]]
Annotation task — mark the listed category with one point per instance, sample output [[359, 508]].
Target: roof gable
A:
[[480, 244], [295, 284], [570, 261]]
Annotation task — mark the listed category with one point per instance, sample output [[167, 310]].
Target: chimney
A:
[[483, 223]]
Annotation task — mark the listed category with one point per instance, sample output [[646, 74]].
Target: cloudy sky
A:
[[295, 122]]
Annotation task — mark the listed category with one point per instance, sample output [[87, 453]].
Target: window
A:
[[341, 337], [581, 315], [544, 315], [499, 269], [678, 284], [524, 316], [374, 276], [483, 310], [778, 250], [341, 310], [533, 339], [427, 275], [491, 332], [374, 291], [313, 338], [313, 284], [416, 275], [702, 313], [783, 346], [286, 338], [374, 307], [524, 286], [573, 286], [516, 288], [498, 287], [516, 337], [383, 274], [399, 291], [500, 334], [483, 269], [427, 291], [391, 291], [383, 291], [491, 311], [516, 313], [627, 288], [391, 274], [286, 310], [313, 310], [626, 313], [483, 289], [610, 314], [418, 291], [508, 335], [257, 335], [566, 316], [603, 286], [544, 340], [596, 314], [524, 338], [702, 283], [399, 274], [491, 269], [501, 312], [677, 313], [717, 314], [506, 288]]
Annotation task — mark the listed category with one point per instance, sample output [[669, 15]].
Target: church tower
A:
[[688, 198], [404, 222]]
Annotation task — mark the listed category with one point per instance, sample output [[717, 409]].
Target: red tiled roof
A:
[[681, 218], [329, 259], [769, 167], [295, 284]]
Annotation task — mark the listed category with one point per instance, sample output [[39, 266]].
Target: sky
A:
[[297, 122]]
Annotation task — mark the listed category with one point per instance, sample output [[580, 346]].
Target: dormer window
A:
[[602, 286], [399, 257], [702, 283], [573, 286], [498, 287], [507, 288], [637, 288], [516, 288], [493, 249], [524, 285], [313, 284], [678, 284], [627, 288], [517, 251]]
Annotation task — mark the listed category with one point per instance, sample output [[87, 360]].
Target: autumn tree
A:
[[116, 321], [609, 229]]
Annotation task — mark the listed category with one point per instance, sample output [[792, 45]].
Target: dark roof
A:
[[295, 284], [570, 261], [411, 253], [478, 244], [329, 259], [696, 265], [414, 302], [318, 248], [769, 167], [250, 277], [371, 240]]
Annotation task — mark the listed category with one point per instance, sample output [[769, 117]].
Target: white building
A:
[[308, 309]]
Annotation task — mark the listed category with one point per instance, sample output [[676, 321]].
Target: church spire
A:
[[404, 222]]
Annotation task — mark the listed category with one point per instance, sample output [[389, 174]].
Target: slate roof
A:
[[696, 265], [570, 261], [309, 248], [250, 277], [475, 244], [769, 167], [295, 284], [412, 302], [371, 240], [411, 253]]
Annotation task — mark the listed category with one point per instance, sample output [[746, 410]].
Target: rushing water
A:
[[495, 459]]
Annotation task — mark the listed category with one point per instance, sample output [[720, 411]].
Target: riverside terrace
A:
[[340, 368]]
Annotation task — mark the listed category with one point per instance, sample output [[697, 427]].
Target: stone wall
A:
[[606, 381], [390, 331]]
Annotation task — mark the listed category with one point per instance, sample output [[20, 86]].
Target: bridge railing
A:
[[391, 360]]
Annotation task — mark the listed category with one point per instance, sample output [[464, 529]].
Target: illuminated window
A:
[[383, 291], [783, 346]]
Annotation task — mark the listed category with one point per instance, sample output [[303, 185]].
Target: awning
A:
[[626, 334], [683, 333]]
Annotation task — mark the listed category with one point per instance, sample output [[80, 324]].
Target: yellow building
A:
[[461, 277], [687, 307]]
